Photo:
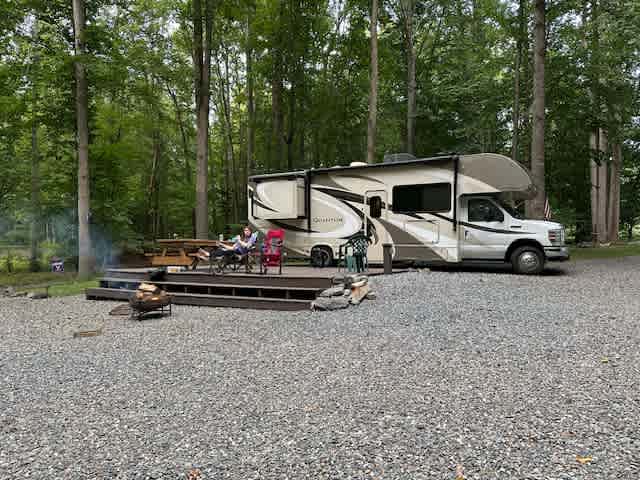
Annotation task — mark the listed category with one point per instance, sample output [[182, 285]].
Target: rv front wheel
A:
[[527, 260], [321, 256]]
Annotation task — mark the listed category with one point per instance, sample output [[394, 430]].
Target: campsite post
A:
[[386, 258]]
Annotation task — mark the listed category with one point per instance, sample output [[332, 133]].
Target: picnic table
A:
[[183, 251]]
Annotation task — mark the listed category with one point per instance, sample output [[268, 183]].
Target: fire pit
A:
[[149, 298]]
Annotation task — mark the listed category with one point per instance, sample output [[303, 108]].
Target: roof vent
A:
[[397, 157], [357, 164]]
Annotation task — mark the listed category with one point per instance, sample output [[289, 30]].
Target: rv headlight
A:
[[556, 237]]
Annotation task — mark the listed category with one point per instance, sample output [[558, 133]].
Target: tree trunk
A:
[[82, 126], [229, 155], [302, 123], [202, 72], [277, 138], [411, 75], [276, 110], [599, 184], [227, 182], [35, 156], [614, 192], [251, 137], [603, 184], [292, 124], [373, 93], [515, 143], [594, 178], [183, 136], [153, 188], [537, 141]]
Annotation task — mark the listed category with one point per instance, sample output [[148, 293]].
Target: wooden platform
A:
[[295, 289]]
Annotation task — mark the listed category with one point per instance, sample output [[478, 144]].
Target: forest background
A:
[[185, 99]]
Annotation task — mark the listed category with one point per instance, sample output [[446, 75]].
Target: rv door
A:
[[484, 231], [374, 208]]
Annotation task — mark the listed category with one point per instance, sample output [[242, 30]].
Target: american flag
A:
[[547, 209]]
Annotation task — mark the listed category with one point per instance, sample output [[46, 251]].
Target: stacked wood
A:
[[149, 297], [347, 290]]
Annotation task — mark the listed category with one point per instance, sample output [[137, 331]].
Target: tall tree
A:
[[537, 141], [598, 136], [406, 9], [613, 213], [277, 116], [521, 32], [251, 112], [599, 146], [373, 85], [202, 37], [35, 152], [82, 131]]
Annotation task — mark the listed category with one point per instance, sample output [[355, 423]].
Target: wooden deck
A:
[[295, 289]]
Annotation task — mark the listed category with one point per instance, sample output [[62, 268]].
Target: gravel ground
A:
[[510, 377]]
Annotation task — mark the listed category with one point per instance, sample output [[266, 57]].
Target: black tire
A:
[[321, 257], [527, 260]]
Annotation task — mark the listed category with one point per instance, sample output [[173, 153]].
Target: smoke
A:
[[106, 252], [61, 232]]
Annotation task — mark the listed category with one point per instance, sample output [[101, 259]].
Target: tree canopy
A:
[[289, 88]]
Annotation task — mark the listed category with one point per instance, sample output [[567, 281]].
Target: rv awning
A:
[[500, 172]]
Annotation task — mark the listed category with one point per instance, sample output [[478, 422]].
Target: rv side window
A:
[[426, 198], [375, 207]]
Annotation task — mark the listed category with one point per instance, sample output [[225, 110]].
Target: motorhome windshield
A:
[[509, 209]]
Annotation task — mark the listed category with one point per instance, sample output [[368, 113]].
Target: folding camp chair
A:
[[352, 255], [272, 250]]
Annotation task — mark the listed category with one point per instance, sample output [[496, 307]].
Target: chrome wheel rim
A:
[[528, 262]]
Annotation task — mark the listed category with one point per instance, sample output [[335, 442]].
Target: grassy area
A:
[[613, 251], [62, 284]]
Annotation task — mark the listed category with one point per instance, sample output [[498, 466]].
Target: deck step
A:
[[263, 286], [258, 303], [246, 280]]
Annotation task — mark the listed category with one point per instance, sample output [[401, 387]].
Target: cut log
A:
[[87, 333], [358, 293], [121, 310], [148, 287]]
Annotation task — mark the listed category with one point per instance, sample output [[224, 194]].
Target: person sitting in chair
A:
[[243, 244]]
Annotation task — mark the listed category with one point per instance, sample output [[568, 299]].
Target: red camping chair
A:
[[272, 250]]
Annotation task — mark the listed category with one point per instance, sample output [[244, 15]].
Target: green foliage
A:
[[60, 284], [615, 251], [142, 145]]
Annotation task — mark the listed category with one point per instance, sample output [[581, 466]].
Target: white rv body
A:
[[446, 209]]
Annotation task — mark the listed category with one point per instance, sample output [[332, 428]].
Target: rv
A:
[[449, 209]]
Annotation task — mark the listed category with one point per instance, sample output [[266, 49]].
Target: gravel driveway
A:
[[510, 377]]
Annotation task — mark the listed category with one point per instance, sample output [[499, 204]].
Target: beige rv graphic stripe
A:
[[327, 181], [345, 197], [259, 202], [476, 227], [363, 177], [404, 242]]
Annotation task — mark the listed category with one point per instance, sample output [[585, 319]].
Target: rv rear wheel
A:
[[321, 256], [527, 260]]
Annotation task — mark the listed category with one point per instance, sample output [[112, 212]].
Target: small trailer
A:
[[449, 209]]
